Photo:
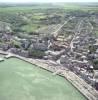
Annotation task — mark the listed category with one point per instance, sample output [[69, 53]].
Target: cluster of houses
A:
[[78, 59], [20, 46]]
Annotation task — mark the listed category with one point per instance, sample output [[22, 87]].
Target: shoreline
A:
[[85, 89]]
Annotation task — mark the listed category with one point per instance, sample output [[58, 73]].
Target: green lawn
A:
[[38, 17], [20, 80], [30, 27], [96, 33]]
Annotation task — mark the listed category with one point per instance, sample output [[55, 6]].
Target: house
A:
[[64, 59], [13, 50], [24, 53], [39, 46], [25, 44], [96, 78], [5, 47]]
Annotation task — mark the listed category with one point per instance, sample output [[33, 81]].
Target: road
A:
[[77, 32], [55, 33], [84, 37]]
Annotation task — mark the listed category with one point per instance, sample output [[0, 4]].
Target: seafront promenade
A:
[[89, 92]]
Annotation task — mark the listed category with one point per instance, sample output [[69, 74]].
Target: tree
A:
[[36, 53]]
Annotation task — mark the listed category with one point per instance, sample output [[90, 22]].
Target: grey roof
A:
[[39, 46]]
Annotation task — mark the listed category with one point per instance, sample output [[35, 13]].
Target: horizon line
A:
[[51, 2]]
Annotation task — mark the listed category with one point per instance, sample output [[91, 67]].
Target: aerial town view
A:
[[48, 50]]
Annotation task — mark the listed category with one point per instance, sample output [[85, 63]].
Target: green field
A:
[[20, 80], [29, 18], [96, 33]]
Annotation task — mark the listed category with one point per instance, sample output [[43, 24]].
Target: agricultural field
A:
[[30, 18]]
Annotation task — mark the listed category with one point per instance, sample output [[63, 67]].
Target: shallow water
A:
[[20, 80]]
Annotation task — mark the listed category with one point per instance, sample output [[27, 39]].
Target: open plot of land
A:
[[20, 80]]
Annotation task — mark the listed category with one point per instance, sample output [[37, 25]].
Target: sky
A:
[[24, 1]]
